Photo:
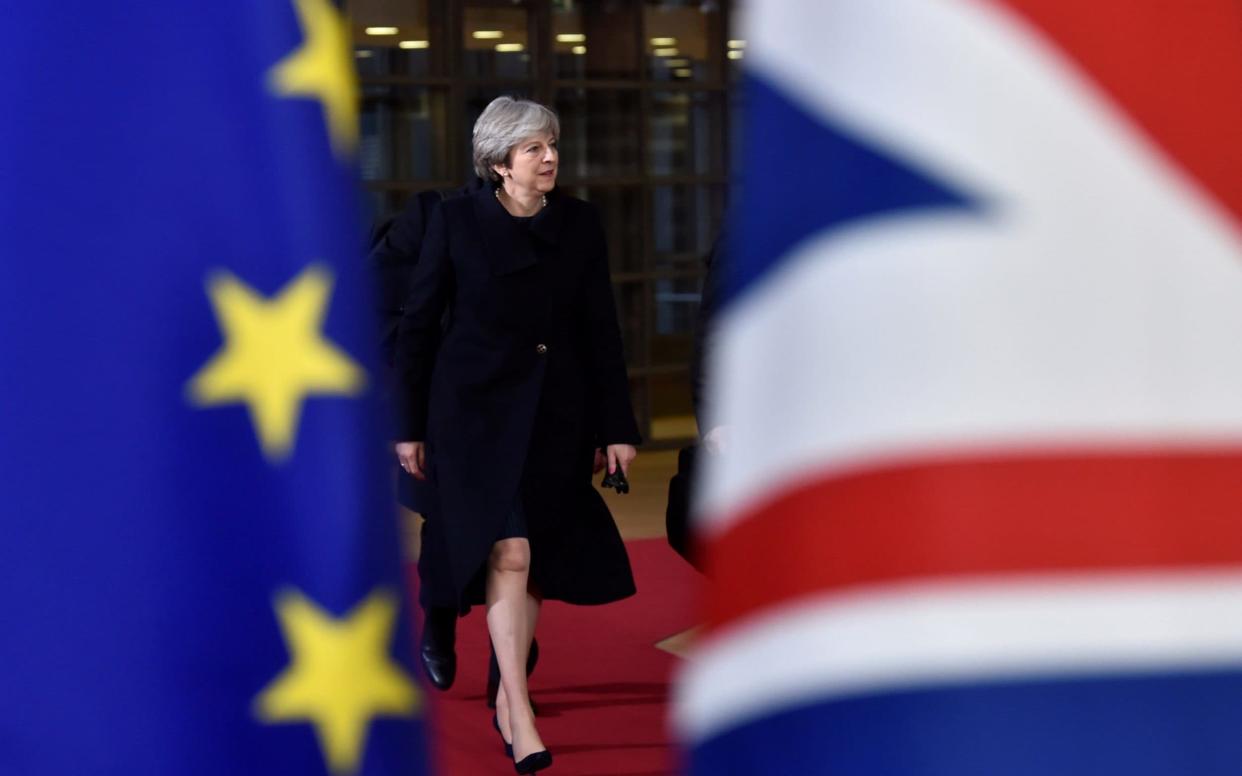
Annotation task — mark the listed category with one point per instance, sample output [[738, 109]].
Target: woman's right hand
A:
[[412, 458]]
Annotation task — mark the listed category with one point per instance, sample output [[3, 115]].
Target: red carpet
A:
[[601, 684]]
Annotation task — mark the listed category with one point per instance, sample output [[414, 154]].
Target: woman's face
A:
[[533, 163]]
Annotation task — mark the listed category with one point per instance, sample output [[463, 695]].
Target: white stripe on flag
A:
[[914, 636]]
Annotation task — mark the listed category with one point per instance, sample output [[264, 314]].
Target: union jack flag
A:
[[981, 360]]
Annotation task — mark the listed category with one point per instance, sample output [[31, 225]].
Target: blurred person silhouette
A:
[[395, 245], [505, 410], [713, 434]]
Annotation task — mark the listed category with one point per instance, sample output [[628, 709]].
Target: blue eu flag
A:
[[199, 565]]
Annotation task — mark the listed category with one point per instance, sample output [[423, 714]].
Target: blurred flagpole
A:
[[200, 564], [978, 365]]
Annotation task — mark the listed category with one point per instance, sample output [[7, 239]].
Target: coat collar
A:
[[508, 242]]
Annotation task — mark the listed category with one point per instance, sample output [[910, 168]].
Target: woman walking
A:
[[513, 377]]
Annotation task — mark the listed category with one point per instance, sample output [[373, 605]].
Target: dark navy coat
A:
[[526, 380]]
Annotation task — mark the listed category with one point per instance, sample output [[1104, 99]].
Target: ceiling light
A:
[[571, 37], [487, 34], [664, 41], [505, 48], [683, 72], [737, 44], [677, 63], [735, 55], [382, 30], [413, 44], [363, 54], [666, 52], [579, 49]]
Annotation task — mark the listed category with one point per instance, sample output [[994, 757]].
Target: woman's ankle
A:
[[526, 741], [522, 712]]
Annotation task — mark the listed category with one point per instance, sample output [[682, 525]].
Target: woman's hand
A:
[[621, 455], [412, 458]]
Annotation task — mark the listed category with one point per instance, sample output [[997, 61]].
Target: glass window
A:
[[737, 128], [735, 48], [676, 36], [595, 39], [403, 129], [735, 54], [599, 128], [390, 38], [676, 304], [620, 209], [685, 221], [381, 204], [683, 132], [479, 98], [496, 40]]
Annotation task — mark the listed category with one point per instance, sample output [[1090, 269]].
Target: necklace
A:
[[543, 198]]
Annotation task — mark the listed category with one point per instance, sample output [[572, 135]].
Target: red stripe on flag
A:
[[1175, 68], [979, 517]]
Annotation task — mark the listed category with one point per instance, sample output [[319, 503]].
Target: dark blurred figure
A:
[[396, 244], [712, 439]]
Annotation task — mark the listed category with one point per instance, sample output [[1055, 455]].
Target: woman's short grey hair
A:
[[504, 123]]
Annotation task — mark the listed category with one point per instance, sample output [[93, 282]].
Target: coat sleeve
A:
[[431, 288], [606, 357], [392, 260]]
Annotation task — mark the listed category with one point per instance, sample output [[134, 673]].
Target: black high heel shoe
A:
[[508, 746], [534, 762], [439, 646]]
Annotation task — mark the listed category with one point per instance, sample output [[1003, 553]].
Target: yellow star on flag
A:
[[274, 355], [340, 675], [323, 69]]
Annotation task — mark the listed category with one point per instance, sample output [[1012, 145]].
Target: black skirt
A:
[[515, 524]]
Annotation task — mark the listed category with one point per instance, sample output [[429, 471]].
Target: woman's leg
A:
[[532, 619], [533, 603], [511, 615]]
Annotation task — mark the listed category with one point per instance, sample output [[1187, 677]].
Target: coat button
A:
[[541, 348]]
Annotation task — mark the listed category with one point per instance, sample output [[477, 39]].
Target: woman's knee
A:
[[511, 555]]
